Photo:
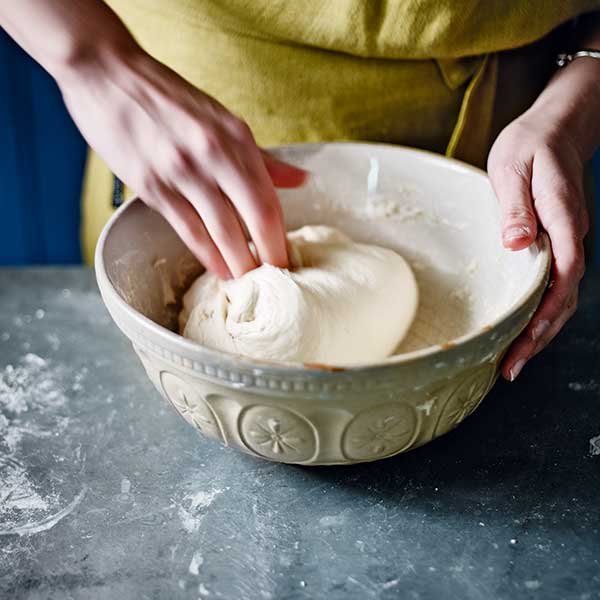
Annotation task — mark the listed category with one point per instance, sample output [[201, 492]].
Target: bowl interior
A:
[[441, 215]]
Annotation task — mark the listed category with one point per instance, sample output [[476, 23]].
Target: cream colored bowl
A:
[[475, 298]]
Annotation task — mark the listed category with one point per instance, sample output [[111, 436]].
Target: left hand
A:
[[536, 169]]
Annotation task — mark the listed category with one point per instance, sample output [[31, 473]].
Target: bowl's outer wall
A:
[[325, 417]]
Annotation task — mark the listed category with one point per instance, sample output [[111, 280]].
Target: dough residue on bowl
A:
[[343, 303]]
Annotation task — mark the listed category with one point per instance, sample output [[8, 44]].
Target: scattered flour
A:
[[595, 446], [585, 386], [533, 584], [471, 267], [400, 204], [196, 562], [32, 393], [394, 206], [461, 295], [193, 509], [53, 340], [332, 520], [31, 385]]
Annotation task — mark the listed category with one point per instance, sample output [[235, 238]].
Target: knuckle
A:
[[520, 213], [267, 215], [577, 264], [241, 130], [151, 188], [518, 168], [211, 145], [510, 168], [180, 163]]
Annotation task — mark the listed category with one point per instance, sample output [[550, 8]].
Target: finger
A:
[[512, 184], [180, 214], [544, 336], [567, 271], [242, 176], [538, 334], [221, 221], [284, 175], [558, 206]]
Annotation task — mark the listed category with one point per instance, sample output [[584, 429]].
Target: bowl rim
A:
[[243, 362]]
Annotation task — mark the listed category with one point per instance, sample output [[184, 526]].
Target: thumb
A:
[[512, 185], [283, 174]]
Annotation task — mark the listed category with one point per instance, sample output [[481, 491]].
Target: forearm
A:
[[64, 35], [572, 96]]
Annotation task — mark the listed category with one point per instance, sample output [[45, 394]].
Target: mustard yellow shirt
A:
[[424, 73]]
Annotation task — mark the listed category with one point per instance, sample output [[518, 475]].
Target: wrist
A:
[[95, 59], [571, 102]]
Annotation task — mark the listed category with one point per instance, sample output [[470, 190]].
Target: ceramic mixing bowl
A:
[[475, 298]]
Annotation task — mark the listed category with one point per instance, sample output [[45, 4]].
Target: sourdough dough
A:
[[343, 303]]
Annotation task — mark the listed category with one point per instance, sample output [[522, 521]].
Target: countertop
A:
[[106, 493]]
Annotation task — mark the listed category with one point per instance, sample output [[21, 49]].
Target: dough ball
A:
[[343, 303]]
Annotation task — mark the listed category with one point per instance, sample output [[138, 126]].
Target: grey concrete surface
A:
[[105, 493]]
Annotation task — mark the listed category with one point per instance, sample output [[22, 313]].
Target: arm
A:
[[179, 149], [536, 167]]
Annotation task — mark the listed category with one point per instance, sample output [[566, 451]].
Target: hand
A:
[[536, 169], [186, 156]]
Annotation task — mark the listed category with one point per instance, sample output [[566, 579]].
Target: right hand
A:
[[186, 156]]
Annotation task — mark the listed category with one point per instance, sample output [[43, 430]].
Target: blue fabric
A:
[[42, 157]]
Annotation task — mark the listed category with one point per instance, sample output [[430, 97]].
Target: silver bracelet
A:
[[562, 60]]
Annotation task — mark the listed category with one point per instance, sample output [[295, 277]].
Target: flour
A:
[[402, 203], [53, 340], [585, 386], [461, 295], [196, 562], [192, 510], [33, 393], [28, 386], [595, 446], [16, 490], [471, 267]]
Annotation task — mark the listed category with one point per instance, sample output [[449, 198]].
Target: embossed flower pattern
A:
[[277, 433], [190, 404], [382, 435], [465, 398], [191, 412], [467, 403], [273, 435], [380, 431]]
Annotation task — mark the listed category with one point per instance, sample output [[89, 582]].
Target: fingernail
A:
[[540, 329], [516, 369], [517, 233]]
